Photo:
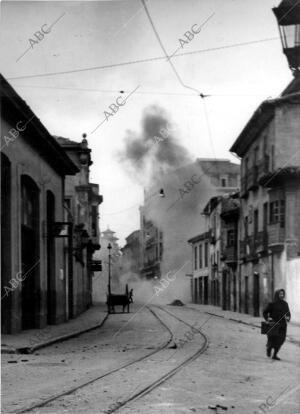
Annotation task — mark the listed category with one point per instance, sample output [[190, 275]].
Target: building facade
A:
[[81, 204], [151, 247], [215, 255], [171, 211], [100, 278], [270, 202], [33, 171], [131, 254]]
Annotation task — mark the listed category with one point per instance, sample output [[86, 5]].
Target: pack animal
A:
[[119, 300]]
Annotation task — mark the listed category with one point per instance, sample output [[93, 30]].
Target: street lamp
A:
[[109, 270], [288, 18]]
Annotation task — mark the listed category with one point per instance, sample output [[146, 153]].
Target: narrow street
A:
[[131, 365]]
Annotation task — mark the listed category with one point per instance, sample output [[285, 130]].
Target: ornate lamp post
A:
[[288, 18], [109, 267]]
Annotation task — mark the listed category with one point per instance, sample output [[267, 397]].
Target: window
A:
[[265, 218], [200, 257], [273, 157], [246, 226], [224, 181], [195, 256], [231, 238], [246, 166], [206, 254], [255, 230], [94, 220], [277, 212]]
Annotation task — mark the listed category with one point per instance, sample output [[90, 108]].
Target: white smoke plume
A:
[[168, 166]]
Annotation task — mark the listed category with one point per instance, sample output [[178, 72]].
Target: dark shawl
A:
[[277, 309]]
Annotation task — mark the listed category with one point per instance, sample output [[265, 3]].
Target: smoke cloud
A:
[[144, 156], [167, 165]]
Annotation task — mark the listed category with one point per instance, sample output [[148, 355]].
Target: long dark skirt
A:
[[276, 341]]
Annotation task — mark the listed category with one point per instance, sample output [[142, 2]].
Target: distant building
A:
[[81, 202], [34, 271], [215, 254], [151, 242], [100, 279], [131, 253], [171, 212], [270, 201]]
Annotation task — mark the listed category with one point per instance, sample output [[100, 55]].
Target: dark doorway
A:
[[200, 290], [256, 294], [228, 305], [51, 305], [246, 295], [29, 251], [205, 290], [224, 290], [5, 243], [234, 294], [196, 291]]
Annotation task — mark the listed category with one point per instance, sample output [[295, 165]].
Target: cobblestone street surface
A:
[[155, 360]]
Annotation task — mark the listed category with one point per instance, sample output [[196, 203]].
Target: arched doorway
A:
[[5, 242], [51, 297], [29, 251]]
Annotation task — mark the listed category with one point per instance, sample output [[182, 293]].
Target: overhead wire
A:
[[133, 62], [179, 78], [123, 91]]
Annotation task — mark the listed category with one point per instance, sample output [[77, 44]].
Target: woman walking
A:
[[279, 312]]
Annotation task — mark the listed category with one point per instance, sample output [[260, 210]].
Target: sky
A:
[[72, 75]]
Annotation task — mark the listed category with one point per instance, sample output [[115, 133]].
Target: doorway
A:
[[234, 294], [256, 294], [29, 251], [246, 294], [205, 290], [224, 291], [51, 305], [200, 290]]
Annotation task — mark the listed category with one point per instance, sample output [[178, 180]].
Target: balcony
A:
[[244, 186], [250, 180], [261, 241], [149, 243], [229, 254], [248, 250], [279, 176], [276, 237]]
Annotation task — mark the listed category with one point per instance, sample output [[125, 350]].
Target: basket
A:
[[269, 328]]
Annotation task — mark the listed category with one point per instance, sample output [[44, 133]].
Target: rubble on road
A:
[[176, 302]]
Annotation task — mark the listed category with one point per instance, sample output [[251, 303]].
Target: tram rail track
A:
[[71, 390], [145, 390]]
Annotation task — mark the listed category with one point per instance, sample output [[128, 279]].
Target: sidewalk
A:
[[293, 331], [32, 339]]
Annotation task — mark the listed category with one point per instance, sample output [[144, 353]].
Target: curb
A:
[[288, 337], [31, 349]]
